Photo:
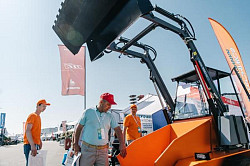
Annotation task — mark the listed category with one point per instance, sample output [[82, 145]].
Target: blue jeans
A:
[[64, 158], [26, 150]]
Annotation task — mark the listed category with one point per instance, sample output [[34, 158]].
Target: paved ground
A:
[[12, 155]]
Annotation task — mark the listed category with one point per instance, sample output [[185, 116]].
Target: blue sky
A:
[[30, 62]]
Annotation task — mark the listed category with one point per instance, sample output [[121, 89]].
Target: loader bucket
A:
[[97, 22], [166, 146]]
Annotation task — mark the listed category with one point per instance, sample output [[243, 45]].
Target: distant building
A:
[[49, 130], [47, 133]]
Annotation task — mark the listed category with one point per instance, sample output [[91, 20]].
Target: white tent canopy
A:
[[58, 132], [72, 123], [148, 105]]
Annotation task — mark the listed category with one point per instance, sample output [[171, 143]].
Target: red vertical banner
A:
[[232, 55], [72, 71]]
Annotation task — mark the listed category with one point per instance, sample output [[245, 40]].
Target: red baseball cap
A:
[[42, 101], [108, 97]]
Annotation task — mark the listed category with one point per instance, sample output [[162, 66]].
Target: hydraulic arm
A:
[[216, 105]]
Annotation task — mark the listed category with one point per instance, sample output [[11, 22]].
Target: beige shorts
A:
[[92, 156]]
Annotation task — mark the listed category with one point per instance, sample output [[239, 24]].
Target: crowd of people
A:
[[91, 136]]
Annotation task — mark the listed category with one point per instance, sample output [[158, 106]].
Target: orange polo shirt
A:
[[35, 120], [132, 127]]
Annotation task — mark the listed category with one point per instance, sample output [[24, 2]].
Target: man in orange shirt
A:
[[132, 125], [32, 141]]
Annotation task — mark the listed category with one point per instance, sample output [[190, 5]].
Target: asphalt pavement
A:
[[12, 155]]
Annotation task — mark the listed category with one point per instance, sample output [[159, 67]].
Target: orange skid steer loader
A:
[[207, 135]]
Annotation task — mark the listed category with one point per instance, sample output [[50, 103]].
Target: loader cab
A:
[[191, 102]]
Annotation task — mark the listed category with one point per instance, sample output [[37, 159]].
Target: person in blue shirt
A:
[[96, 123]]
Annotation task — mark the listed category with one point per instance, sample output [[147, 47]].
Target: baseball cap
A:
[[42, 101], [133, 106], [108, 97]]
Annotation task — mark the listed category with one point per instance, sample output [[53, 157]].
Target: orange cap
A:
[[42, 101], [133, 106]]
